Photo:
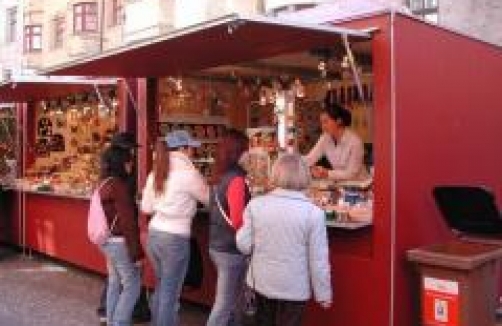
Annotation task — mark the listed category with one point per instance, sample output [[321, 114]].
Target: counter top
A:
[[47, 193], [347, 225]]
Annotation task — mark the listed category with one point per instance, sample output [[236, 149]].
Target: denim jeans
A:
[[124, 283], [231, 270], [169, 254]]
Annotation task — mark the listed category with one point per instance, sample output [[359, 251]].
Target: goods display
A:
[[8, 146], [277, 118], [69, 137]]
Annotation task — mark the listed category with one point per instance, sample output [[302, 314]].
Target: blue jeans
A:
[[169, 254], [231, 270], [124, 284]]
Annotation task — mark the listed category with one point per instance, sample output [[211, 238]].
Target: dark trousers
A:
[[273, 312]]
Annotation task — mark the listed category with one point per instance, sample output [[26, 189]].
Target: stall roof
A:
[[227, 40], [25, 88]]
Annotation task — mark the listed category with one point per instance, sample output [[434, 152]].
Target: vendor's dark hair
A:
[[338, 112], [113, 162], [230, 148]]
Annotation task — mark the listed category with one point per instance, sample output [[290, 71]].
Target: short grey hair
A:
[[291, 172]]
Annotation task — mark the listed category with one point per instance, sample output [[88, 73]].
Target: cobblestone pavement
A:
[[39, 292]]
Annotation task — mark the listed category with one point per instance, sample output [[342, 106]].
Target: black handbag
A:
[[249, 302]]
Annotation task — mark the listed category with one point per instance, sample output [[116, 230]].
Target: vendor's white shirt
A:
[[174, 209], [346, 157]]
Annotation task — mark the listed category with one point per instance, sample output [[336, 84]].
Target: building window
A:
[[117, 13], [291, 8], [11, 28], [85, 17], [425, 9], [58, 29], [32, 38]]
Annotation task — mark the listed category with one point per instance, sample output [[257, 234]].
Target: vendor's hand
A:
[[325, 304], [138, 263], [319, 172]]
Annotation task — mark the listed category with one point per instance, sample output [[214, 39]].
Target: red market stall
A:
[[44, 196], [436, 118]]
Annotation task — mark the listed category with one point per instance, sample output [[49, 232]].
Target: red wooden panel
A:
[[449, 122], [361, 267], [57, 226]]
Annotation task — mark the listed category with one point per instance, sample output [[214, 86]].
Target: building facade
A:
[[42, 33], [11, 45], [35, 34]]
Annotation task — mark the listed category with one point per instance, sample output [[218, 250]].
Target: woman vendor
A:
[[341, 146]]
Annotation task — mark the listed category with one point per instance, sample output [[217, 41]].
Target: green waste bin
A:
[[458, 283]]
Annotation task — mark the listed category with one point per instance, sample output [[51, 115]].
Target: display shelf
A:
[[203, 160], [194, 119], [50, 193], [207, 141], [348, 225]]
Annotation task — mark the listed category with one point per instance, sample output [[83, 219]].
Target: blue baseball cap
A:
[[180, 138]]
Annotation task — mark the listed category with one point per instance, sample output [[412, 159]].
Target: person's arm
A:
[[316, 152], [198, 187], [126, 220], [236, 193], [244, 237], [318, 255], [148, 196], [354, 164]]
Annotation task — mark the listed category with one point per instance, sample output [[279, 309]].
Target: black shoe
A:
[[101, 312]]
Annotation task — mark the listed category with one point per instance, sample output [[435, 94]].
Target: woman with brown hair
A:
[[122, 249], [171, 194], [229, 199]]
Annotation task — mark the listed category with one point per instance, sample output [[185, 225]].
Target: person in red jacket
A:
[[228, 200]]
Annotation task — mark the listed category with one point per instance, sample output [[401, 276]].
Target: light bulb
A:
[[299, 88], [322, 65]]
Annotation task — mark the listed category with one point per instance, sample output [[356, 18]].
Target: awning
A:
[[228, 40], [27, 88]]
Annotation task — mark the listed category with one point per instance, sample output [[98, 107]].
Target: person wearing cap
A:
[[125, 142], [170, 195]]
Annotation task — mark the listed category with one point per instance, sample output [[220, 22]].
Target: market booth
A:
[[434, 117], [63, 124]]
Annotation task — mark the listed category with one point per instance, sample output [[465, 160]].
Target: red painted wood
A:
[[449, 122], [57, 227], [361, 261]]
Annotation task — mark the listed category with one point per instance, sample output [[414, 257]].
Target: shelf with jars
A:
[[199, 106], [206, 130]]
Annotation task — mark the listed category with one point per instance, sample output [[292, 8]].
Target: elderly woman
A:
[[285, 234]]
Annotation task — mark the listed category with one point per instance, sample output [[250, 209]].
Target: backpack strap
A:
[[98, 189], [103, 183], [220, 207]]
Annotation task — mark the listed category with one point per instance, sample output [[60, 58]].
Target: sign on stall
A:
[[440, 302]]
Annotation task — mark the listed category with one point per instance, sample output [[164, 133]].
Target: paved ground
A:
[[39, 292]]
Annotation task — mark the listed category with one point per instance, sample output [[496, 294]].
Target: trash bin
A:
[[458, 283]]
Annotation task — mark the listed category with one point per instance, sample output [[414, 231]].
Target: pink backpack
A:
[[97, 224]]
